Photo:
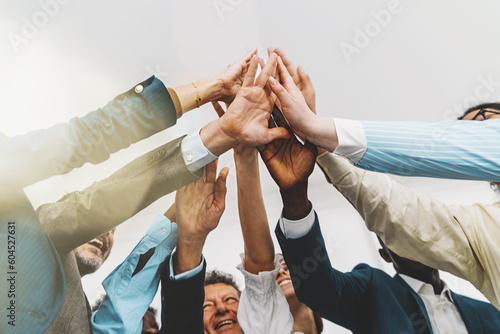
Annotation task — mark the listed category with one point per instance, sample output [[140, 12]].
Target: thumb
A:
[[220, 188], [277, 133], [218, 108], [279, 90]]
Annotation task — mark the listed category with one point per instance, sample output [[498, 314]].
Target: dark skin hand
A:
[[290, 164]]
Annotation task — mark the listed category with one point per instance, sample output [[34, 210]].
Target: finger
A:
[[252, 70], [267, 71], [270, 123], [270, 50], [262, 63], [249, 55], [211, 172], [220, 188], [218, 108], [280, 119], [288, 64], [311, 147], [277, 133], [286, 78], [279, 90]]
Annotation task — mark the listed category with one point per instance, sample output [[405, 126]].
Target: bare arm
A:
[[259, 248]]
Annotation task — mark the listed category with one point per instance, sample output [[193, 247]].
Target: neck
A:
[[303, 318], [430, 277]]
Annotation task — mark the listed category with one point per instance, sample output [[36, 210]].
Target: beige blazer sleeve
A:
[[453, 238], [83, 215]]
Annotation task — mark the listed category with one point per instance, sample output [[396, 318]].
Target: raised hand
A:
[[300, 78], [289, 162], [199, 205], [232, 77], [303, 121]]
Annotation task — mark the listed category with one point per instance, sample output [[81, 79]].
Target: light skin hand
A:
[[246, 120], [199, 207], [232, 77], [222, 87], [318, 130]]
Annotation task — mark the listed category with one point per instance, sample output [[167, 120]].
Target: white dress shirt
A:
[[443, 314]]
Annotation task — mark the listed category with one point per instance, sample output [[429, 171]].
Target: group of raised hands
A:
[[267, 113]]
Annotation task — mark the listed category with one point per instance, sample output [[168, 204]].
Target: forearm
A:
[[259, 248], [451, 149], [415, 226], [296, 203], [82, 216], [188, 254], [215, 139], [198, 93], [130, 117]]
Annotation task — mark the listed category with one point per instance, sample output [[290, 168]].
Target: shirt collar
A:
[[420, 287]]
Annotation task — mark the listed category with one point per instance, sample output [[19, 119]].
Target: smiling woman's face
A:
[[284, 281], [220, 309]]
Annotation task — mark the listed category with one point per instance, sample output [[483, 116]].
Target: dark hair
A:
[[152, 310], [490, 105], [215, 277]]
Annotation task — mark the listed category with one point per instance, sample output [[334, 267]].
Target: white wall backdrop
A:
[[368, 59]]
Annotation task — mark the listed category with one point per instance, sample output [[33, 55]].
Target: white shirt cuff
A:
[[194, 152], [294, 229], [352, 139], [187, 274]]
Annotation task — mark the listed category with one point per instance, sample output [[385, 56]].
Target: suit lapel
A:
[[417, 299], [469, 315]]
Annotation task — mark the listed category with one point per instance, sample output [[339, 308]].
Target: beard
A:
[[88, 261]]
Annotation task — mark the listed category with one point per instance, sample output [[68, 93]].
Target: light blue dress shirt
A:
[[128, 297]]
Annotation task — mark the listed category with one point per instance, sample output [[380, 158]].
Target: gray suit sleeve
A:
[[134, 115], [81, 216]]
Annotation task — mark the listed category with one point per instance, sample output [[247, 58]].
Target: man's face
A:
[[149, 325], [220, 309], [482, 114], [91, 256], [284, 281]]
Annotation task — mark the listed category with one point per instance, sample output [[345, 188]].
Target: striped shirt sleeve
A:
[[449, 149]]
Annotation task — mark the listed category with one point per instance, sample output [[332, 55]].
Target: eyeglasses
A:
[[482, 112]]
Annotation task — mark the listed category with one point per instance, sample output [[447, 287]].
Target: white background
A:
[[427, 63]]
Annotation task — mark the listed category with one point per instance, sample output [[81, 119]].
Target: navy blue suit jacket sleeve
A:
[[182, 303], [336, 296]]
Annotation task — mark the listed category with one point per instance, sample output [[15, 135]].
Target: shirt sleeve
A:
[[418, 226], [194, 152], [134, 115], [128, 297], [263, 307], [294, 229], [185, 275], [351, 137], [450, 149]]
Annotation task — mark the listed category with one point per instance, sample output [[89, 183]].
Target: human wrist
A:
[[321, 131], [296, 203], [186, 258], [215, 139], [211, 89]]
